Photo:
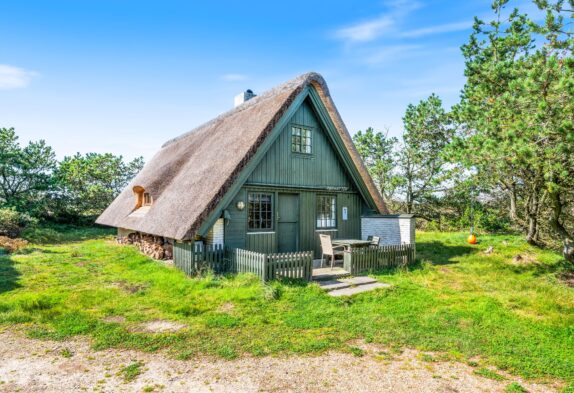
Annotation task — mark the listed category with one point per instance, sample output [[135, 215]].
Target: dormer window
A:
[[147, 199], [143, 198]]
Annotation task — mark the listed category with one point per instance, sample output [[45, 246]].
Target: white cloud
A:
[[389, 54], [366, 31], [233, 77], [372, 29], [446, 28], [14, 78]]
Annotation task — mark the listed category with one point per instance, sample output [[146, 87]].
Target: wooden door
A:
[[288, 223]]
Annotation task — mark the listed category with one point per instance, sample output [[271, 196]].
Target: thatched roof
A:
[[191, 173]]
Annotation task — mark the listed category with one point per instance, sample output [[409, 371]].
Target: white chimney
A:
[[245, 96]]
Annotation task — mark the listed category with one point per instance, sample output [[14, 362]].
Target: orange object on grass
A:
[[471, 239]]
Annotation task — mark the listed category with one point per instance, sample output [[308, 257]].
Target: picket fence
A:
[[197, 258], [360, 260]]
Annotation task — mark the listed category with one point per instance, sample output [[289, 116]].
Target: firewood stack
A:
[[155, 247]]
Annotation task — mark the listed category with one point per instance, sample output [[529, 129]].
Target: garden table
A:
[[351, 243]]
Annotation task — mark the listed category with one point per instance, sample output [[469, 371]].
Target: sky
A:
[[125, 76]]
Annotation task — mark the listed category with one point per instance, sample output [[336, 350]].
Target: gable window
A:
[[260, 211], [300, 140], [326, 211]]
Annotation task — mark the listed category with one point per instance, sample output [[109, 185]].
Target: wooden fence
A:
[[195, 258], [360, 260], [243, 261], [290, 265]]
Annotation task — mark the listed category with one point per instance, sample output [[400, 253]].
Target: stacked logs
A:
[[155, 247]]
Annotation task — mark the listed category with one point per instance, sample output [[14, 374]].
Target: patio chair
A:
[[327, 249], [375, 240]]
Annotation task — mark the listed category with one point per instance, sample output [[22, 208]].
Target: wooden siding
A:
[[321, 168], [237, 236], [307, 176], [261, 242], [236, 226], [351, 228]]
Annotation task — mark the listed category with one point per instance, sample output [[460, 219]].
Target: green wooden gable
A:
[[328, 169], [319, 169]]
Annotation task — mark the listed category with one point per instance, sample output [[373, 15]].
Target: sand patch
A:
[[114, 319], [159, 326], [130, 287], [28, 365], [226, 308], [523, 259]]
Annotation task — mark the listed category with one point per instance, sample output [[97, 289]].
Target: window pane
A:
[[326, 211], [260, 211], [300, 140]]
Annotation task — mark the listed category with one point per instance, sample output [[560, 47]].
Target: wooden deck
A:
[[326, 273]]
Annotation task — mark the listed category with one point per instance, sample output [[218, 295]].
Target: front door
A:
[[288, 223]]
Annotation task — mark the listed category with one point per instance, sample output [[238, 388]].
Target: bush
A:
[[11, 245], [13, 222]]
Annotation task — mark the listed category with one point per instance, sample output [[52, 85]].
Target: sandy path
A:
[[28, 365]]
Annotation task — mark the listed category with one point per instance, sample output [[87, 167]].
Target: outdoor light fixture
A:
[[240, 205]]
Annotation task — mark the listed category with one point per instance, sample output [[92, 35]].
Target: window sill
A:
[[303, 155]]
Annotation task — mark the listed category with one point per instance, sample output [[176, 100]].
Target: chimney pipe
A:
[[245, 96]]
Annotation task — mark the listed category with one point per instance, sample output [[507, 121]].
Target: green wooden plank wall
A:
[[282, 170], [282, 167]]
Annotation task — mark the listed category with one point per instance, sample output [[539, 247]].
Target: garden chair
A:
[[327, 249], [375, 240]]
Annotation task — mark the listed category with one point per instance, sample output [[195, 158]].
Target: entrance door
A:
[[288, 223]]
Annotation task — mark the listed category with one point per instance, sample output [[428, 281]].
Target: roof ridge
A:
[[303, 78]]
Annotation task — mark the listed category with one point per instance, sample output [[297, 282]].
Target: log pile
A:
[[155, 247]]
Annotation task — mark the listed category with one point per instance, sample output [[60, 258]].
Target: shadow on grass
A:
[[388, 271], [60, 233], [560, 268], [8, 274], [31, 250], [439, 253], [293, 282]]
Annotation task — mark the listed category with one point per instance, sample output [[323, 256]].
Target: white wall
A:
[[392, 229], [215, 234]]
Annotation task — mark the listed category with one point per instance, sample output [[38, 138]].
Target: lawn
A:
[[486, 309]]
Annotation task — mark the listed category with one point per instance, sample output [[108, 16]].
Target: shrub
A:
[[272, 291], [13, 222], [11, 245]]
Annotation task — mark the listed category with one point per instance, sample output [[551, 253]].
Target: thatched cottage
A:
[[269, 176]]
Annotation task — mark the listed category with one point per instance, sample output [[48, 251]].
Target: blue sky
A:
[[125, 76]]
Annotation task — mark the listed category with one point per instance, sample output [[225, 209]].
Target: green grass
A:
[[484, 372], [457, 301], [515, 387], [131, 372]]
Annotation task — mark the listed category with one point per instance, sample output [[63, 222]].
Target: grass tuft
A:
[[515, 387], [131, 372], [356, 351], [484, 372], [272, 291]]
